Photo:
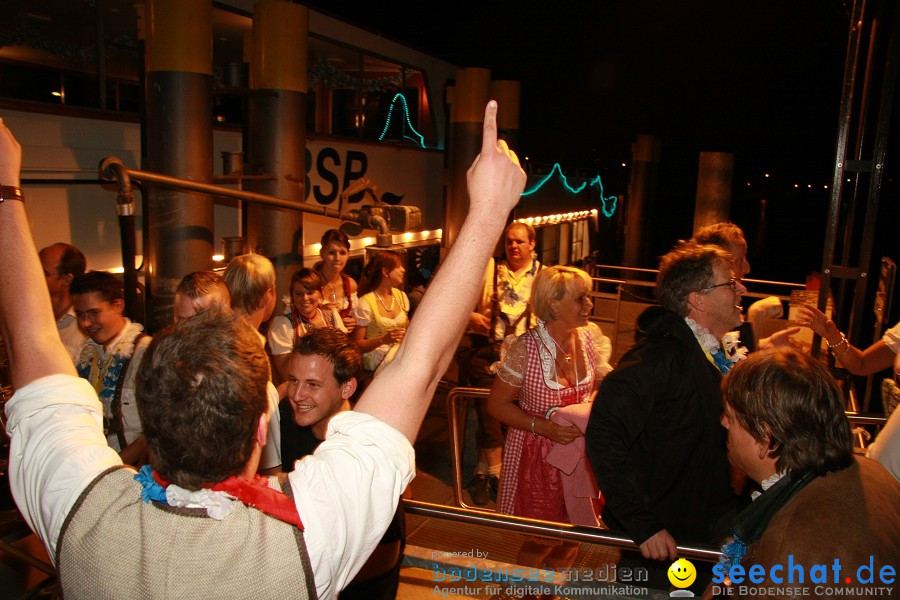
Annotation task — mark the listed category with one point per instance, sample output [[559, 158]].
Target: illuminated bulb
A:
[[368, 241], [218, 257], [407, 236], [593, 211], [767, 174], [317, 247], [796, 186], [440, 232], [809, 186], [117, 270]]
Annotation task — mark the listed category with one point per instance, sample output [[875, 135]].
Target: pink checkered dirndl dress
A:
[[529, 487]]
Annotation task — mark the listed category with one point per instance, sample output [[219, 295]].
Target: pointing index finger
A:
[[489, 135]]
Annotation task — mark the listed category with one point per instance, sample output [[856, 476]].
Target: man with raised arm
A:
[[200, 522]]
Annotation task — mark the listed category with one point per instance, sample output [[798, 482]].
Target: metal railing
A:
[[575, 533], [457, 408]]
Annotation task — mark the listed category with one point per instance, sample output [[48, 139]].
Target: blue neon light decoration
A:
[[608, 203], [387, 123]]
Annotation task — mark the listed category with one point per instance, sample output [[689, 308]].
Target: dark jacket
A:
[[654, 438]]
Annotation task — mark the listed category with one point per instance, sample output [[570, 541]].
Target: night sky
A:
[[758, 78]]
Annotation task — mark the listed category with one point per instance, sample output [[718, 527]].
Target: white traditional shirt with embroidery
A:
[[102, 367], [513, 291]]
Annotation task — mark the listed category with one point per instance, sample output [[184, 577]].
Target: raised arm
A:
[[402, 391], [26, 318]]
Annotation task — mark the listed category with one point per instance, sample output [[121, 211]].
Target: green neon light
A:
[[387, 123], [608, 204]]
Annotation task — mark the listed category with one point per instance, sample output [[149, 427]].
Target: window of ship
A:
[[88, 55]]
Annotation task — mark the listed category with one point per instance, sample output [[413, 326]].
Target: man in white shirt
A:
[[345, 494], [61, 264]]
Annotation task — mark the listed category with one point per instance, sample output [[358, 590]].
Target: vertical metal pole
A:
[[276, 134], [645, 158], [714, 182], [179, 143], [507, 94], [469, 97]]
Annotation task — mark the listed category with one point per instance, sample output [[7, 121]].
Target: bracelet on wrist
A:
[[533, 432], [835, 348], [11, 192], [842, 340]]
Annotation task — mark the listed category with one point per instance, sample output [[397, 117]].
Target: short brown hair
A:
[[529, 230], [335, 236], [203, 283], [308, 279], [110, 287], [789, 398], [333, 344], [687, 268], [201, 389], [724, 235]]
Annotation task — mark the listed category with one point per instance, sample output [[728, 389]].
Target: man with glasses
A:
[[730, 238], [654, 437]]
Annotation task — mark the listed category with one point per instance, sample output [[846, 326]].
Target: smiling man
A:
[[324, 367], [654, 437], [323, 375], [110, 358]]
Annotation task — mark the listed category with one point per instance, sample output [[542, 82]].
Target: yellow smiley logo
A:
[[682, 573]]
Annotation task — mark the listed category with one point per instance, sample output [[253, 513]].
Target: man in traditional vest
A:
[[200, 523], [110, 358], [503, 309]]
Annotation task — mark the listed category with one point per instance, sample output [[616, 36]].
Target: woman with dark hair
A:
[[338, 288], [304, 314], [382, 313]]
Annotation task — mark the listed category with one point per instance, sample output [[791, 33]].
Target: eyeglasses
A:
[[732, 283]]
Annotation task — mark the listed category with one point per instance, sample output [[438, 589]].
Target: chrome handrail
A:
[[490, 518], [453, 416], [576, 533]]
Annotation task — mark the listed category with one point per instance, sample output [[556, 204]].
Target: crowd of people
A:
[[283, 454]]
